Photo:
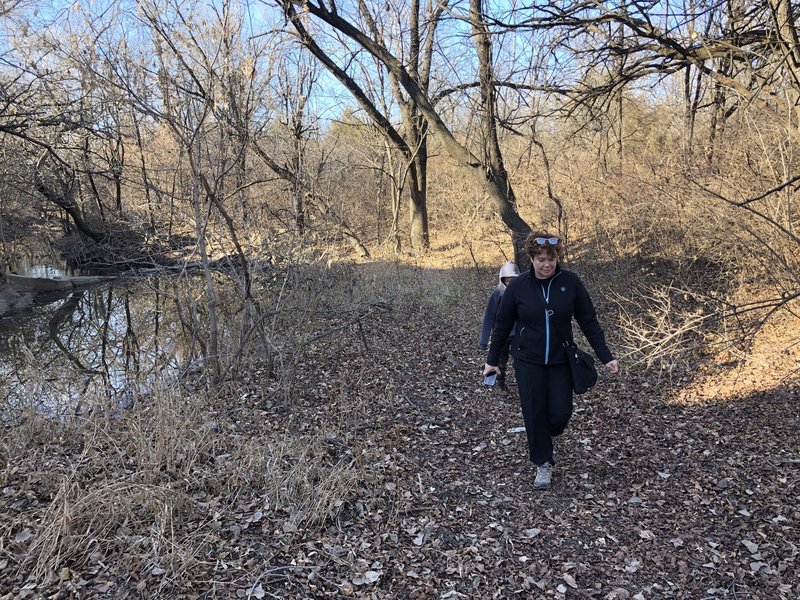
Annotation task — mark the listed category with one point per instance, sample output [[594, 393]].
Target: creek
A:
[[115, 342]]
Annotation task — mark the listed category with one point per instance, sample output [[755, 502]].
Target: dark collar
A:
[[537, 280]]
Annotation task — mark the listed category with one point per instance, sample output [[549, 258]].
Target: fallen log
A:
[[12, 301], [56, 284], [18, 293]]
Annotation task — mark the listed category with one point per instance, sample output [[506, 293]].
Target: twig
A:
[[363, 337], [379, 307], [276, 570]]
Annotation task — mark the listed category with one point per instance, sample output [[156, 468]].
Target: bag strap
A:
[[565, 339]]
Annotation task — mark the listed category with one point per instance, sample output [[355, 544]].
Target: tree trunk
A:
[[65, 201], [201, 223], [499, 186], [420, 239], [297, 202], [493, 184], [783, 13]]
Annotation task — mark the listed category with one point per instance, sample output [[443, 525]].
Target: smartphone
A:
[[490, 379]]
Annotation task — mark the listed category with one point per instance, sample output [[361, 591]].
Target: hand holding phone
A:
[[490, 379]]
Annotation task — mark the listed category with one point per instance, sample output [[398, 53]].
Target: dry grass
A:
[[135, 484], [166, 434], [134, 520], [771, 361]]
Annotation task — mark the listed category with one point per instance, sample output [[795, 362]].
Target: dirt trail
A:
[[651, 499]]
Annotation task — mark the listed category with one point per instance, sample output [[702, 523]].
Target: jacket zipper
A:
[[547, 313]]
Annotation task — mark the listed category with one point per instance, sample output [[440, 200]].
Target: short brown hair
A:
[[535, 249]]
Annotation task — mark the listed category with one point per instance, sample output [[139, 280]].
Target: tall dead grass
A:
[[85, 524], [141, 487], [143, 482]]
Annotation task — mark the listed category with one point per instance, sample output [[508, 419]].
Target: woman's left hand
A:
[[612, 367]]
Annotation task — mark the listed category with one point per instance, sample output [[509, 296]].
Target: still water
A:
[[34, 257], [114, 341]]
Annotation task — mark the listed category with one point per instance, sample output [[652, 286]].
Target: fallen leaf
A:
[[367, 578], [632, 565], [532, 532], [23, 536], [751, 547]]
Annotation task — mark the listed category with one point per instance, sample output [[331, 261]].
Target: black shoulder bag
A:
[[581, 364]]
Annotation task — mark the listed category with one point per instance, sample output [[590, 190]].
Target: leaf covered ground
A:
[[402, 476]]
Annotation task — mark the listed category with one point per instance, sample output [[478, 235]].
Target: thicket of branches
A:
[[648, 134]]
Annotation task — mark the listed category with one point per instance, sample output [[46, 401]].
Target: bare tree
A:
[[410, 140], [756, 40], [190, 77], [491, 177], [296, 77], [62, 127], [493, 156]]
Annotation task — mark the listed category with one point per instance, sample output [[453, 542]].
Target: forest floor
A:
[[659, 492]]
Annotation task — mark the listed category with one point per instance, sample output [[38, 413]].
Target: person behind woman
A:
[[508, 272], [542, 302]]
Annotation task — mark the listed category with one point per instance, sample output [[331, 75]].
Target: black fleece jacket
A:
[[536, 305]]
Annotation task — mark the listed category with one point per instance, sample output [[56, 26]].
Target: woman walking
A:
[[542, 302]]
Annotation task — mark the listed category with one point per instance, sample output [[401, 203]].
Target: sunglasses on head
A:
[[553, 241]]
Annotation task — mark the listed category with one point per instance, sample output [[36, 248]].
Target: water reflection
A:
[[115, 341], [34, 257]]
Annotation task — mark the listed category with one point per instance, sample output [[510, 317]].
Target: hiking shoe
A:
[[544, 474]]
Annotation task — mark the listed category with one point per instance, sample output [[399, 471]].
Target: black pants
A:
[[545, 394]]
